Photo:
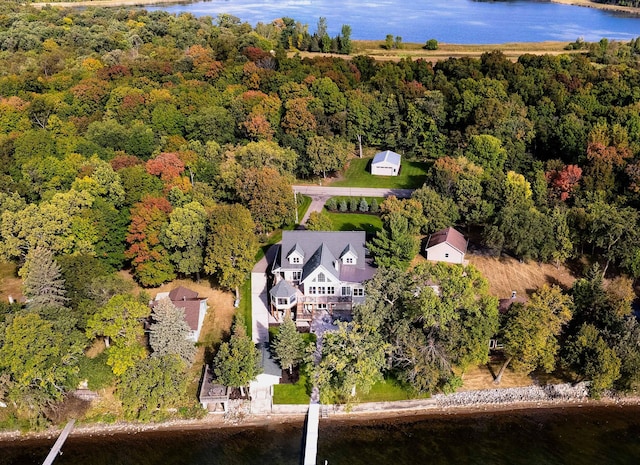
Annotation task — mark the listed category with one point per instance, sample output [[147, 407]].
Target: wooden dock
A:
[[55, 450], [311, 441]]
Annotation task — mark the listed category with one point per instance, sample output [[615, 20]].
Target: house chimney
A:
[[513, 294]]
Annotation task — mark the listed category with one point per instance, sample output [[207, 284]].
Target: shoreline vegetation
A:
[[464, 403], [117, 3]]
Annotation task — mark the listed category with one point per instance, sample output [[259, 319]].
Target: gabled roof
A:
[[348, 249], [322, 248], [387, 156], [191, 312], [282, 289], [450, 236], [182, 293], [296, 248], [322, 256], [188, 300]]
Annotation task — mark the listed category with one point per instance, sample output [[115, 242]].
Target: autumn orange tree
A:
[[149, 258]]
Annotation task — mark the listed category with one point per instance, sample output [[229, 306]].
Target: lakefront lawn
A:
[[358, 174]]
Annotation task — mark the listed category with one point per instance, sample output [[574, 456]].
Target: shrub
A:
[[353, 204], [374, 207], [432, 44], [363, 206], [343, 206], [331, 205]]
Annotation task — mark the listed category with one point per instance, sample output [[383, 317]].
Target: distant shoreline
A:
[[117, 3]]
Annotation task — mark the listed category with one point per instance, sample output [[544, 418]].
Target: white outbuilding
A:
[[386, 163], [448, 245]]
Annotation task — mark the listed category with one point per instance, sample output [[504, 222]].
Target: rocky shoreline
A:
[[465, 402]]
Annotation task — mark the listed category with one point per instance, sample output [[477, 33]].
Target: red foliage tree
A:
[[166, 165], [564, 181]]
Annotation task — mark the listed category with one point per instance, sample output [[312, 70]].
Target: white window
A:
[[358, 292], [348, 260], [283, 301], [295, 260], [312, 289], [446, 255], [322, 306], [321, 278], [296, 275], [346, 290], [322, 290], [331, 290]]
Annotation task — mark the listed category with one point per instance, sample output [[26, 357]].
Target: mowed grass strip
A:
[[355, 222], [412, 175]]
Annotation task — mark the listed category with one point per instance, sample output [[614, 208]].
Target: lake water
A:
[[452, 21], [570, 436]]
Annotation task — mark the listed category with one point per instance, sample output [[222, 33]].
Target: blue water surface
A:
[[451, 21]]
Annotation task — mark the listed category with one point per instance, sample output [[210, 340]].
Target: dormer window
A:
[[295, 260], [348, 260]]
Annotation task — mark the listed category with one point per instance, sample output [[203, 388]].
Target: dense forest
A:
[[167, 145]]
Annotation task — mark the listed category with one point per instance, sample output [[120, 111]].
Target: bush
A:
[[343, 206], [432, 44], [96, 371], [331, 205], [374, 207], [353, 204], [363, 206]]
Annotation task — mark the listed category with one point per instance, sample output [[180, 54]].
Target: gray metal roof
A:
[[388, 156]]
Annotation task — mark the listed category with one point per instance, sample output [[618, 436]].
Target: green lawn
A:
[[291, 393], [355, 222], [412, 175], [245, 305], [387, 391]]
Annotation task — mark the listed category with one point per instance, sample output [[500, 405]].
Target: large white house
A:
[[316, 271], [386, 163], [447, 245]]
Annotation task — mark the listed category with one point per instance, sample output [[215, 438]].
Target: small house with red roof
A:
[[447, 245], [194, 308]]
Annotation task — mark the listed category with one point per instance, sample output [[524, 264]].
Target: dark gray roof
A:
[[388, 156], [282, 289], [323, 248], [322, 256], [296, 248]]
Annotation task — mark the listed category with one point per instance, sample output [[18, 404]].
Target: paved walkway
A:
[[260, 299]]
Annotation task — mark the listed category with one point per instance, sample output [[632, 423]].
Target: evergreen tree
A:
[[43, 283], [288, 346], [237, 361], [168, 332], [363, 206]]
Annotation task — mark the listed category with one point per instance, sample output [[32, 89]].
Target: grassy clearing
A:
[[506, 274], [10, 284], [291, 393], [412, 175], [512, 50], [355, 222], [388, 390]]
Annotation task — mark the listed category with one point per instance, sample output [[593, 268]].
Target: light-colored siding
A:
[[384, 169], [445, 253]]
